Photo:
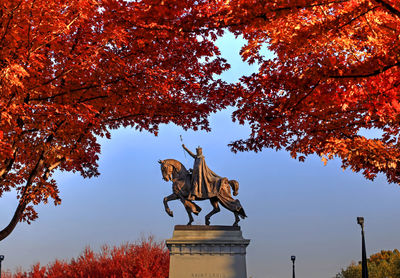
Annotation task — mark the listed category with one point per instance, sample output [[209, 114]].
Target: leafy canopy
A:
[[71, 71], [335, 74]]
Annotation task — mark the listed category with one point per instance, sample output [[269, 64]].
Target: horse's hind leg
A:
[[216, 209], [237, 219]]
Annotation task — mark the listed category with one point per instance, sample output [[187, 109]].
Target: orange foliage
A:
[[382, 264], [70, 71], [335, 74], [144, 260]]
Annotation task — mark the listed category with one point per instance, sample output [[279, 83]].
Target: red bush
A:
[[143, 260]]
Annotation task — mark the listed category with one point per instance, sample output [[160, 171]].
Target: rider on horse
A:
[[204, 181]]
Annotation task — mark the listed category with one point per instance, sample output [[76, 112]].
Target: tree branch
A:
[[389, 7], [357, 17], [8, 166], [9, 22], [375, 72], [24, 200], [22, 203], [56, 35], [305, 96]]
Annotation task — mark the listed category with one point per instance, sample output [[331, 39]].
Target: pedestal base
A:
[[207, 252]]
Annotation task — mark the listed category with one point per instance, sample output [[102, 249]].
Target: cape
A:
[[205, 183]]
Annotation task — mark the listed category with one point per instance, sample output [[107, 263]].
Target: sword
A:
[[182, 143]]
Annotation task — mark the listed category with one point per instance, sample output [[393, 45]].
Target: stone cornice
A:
[[208, 248]]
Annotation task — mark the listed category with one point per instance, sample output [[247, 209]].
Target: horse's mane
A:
[[179, 167]]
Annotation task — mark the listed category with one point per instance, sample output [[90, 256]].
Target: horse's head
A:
[[166, 170], [171, 169]]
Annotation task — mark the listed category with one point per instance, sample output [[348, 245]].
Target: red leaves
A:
[[142, 260], [335, 74], [396, 105], [73, 70], [29, 214]]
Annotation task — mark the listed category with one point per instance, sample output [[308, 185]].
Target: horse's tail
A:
[[235, 187], [241, 213]]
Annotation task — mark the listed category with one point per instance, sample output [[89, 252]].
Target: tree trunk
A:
[[14, 221]]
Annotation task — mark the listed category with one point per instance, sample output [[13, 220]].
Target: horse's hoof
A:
[[170, 213], [189, 224], [207, 222], [235, 224]]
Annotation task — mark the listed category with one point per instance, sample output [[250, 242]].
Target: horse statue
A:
[[173, 170]]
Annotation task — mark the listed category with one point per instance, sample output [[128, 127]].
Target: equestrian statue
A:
[[198, 184]]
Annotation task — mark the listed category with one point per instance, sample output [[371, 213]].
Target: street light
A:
[[1, 259], [364, 266], [293, 258]]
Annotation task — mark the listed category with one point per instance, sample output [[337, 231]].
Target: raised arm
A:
[[189, 152]]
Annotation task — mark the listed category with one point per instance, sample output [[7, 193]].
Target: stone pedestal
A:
[[207, 252]]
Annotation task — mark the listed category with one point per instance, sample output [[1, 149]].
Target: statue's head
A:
[[199, 151]]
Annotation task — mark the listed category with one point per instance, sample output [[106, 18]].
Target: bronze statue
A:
[[201, 184]]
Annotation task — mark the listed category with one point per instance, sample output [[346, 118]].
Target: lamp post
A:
[[364, 266], [1, 259], [293, 258]]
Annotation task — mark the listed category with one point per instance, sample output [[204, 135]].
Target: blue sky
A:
[[303, 209]]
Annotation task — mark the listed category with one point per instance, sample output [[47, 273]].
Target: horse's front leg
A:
[[166, 200], [189, 213]]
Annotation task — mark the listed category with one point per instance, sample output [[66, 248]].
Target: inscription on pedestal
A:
[[208, 275]]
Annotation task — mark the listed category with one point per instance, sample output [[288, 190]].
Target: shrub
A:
[[145, 259]]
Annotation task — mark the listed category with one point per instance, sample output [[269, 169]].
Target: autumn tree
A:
[[385, 264], [334, 74], [70, 71]]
